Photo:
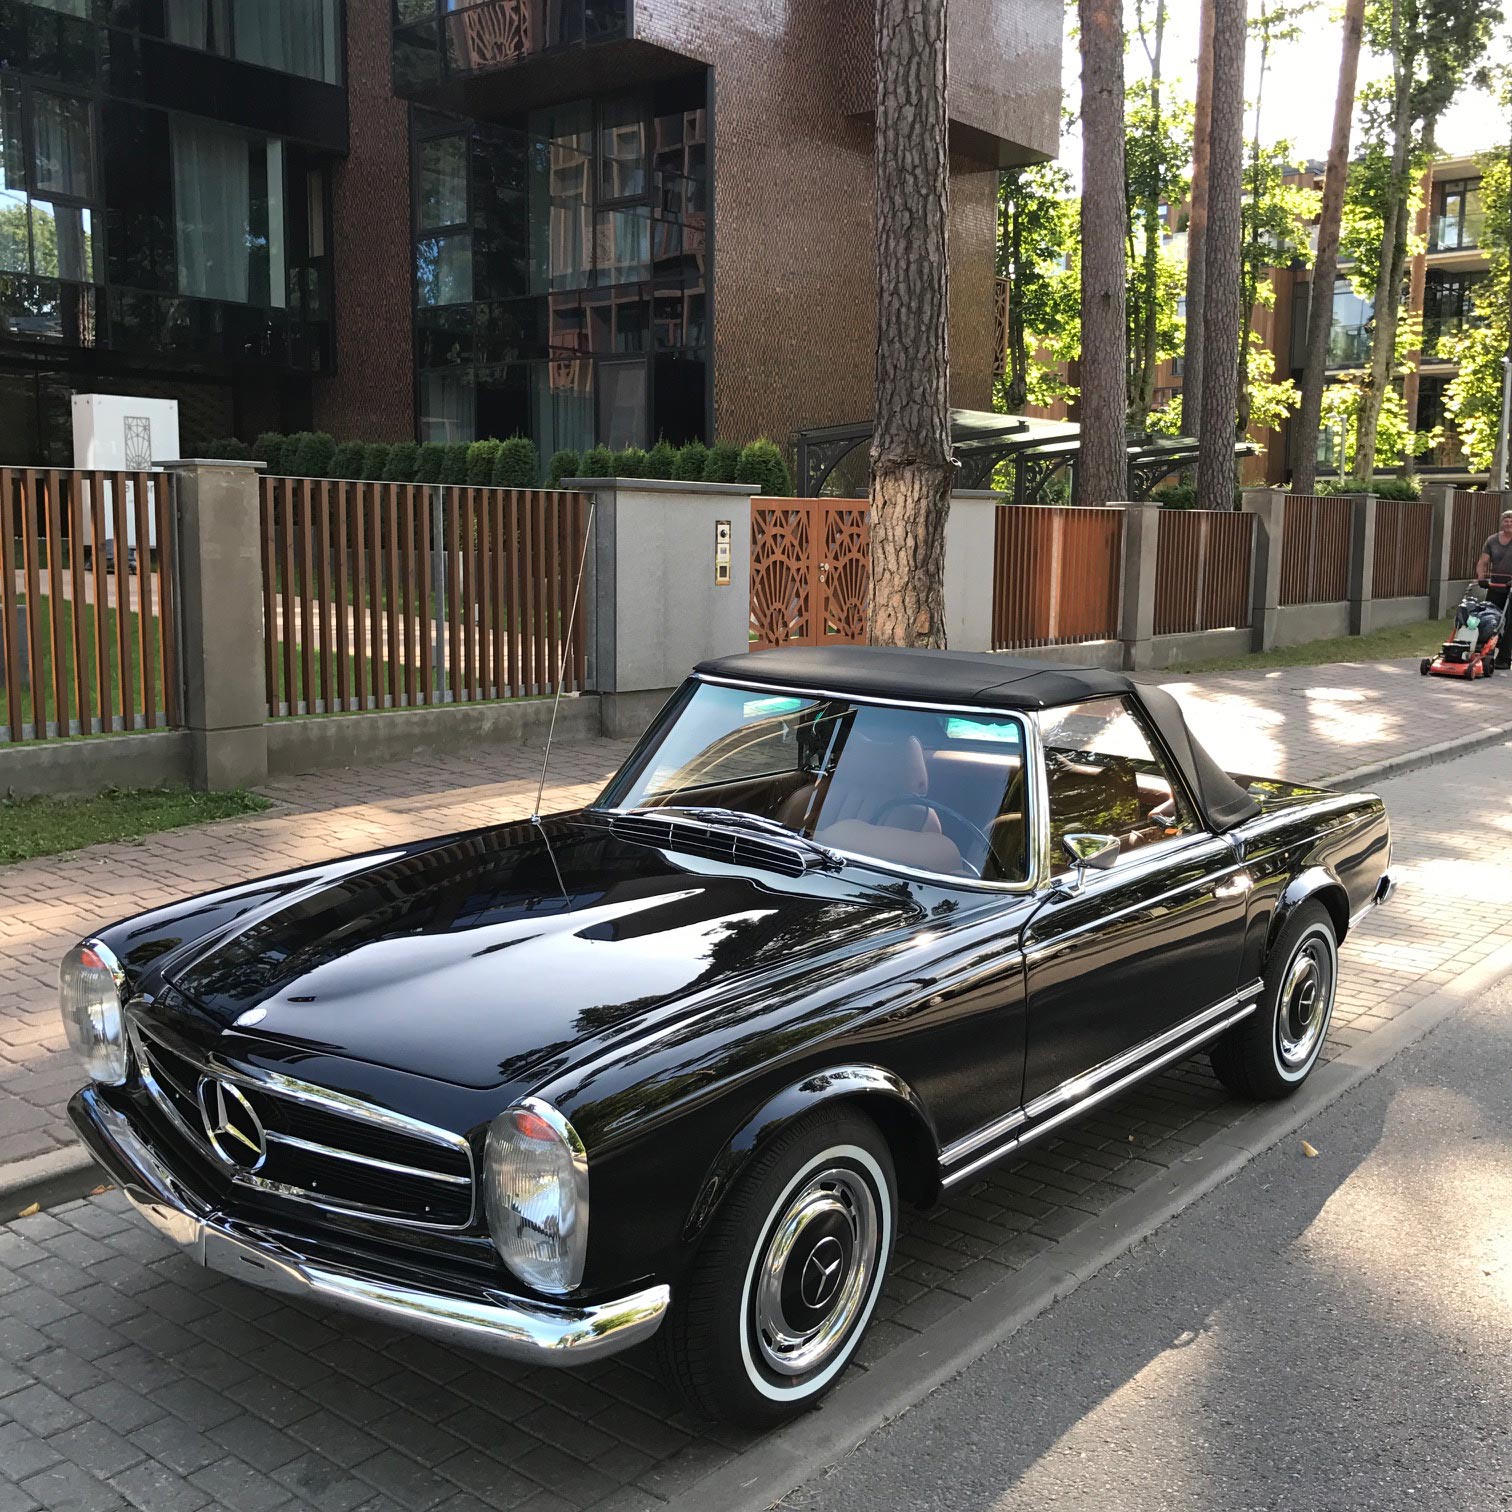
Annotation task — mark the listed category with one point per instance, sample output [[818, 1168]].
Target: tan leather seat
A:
[[873, 778]]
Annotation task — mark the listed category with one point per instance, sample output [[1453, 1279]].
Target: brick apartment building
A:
[[585, 220]]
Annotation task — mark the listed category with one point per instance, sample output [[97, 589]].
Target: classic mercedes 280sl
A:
[[849, 925]]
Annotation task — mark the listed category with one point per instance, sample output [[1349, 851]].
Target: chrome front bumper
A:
[[537, 1333]]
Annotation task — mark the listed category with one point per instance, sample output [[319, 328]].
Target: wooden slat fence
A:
[[1057, 575], [1402, 531], [1475, 517], [400, 595], [1315, 549], [1203, 561], [88, 605]]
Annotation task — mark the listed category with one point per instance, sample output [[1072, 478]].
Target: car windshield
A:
[[933, 791]]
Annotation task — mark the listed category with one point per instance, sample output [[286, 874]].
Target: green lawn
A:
[[1418, 639], [47, 826]]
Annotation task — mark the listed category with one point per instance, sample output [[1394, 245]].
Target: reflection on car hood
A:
[[474, 958]]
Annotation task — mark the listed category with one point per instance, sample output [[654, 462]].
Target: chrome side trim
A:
[[367, 1160], [959, 1148], [1192, 1041], [477, 1317]]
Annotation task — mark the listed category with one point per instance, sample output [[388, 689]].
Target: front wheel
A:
[[786, 1281], [1424, 665], [1271, 1053]]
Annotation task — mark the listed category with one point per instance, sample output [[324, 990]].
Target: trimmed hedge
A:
[[348, 460], [432, 460], [517, 464], [598, 462], [723, 462], [1382, 488], [454, 468], [313, 459], [762, 468], [564, 464], [375, 457], [269, 450], [227, 449], [481, 456], [660, 459], [403, 459], [690, 462]]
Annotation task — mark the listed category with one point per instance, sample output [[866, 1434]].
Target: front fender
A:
[[885, 1095]]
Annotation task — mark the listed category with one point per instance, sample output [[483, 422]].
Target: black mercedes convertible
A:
[[849, 925]]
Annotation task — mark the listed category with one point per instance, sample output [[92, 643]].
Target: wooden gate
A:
[[810, 572]]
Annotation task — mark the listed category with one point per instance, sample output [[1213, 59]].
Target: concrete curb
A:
[[771, 1469], [54, 1176], [1412, 761]]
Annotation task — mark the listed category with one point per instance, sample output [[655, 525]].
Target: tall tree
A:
[[911, 465], [1435, 48], [1034, 236], [1221, 282], [1102, 468], [1147, 192], [1326, 268], [1191, 381]]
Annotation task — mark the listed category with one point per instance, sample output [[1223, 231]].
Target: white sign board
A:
[[122, 433]]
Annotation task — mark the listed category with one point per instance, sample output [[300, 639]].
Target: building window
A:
[[1459, 221], [293, 36], [443, 246], [228, 214], [1349, 334], [47, 214], [1448, 307]]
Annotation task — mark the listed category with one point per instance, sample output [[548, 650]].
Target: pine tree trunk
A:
[[911, 467], [1388, 290], [1191, 379], [1309, 417], [1102, 468], [1142, 400], [1016, 393], [1221, 315], [1499, 457]]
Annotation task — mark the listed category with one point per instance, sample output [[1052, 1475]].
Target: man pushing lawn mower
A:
[[1494, 570]]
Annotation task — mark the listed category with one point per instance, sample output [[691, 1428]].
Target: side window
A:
[[1106, 777]]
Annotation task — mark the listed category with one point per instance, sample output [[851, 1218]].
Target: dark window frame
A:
[[28, 90]]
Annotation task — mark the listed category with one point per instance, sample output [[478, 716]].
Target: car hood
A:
[[476, 958]]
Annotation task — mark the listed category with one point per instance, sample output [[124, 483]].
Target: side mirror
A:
[[1094, 852]]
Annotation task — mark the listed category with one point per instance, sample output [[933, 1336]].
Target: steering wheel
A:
[[945, 811]]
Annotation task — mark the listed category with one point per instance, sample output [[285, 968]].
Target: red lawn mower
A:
[[1478, 626]]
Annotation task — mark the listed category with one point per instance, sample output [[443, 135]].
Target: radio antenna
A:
[[561, 682]]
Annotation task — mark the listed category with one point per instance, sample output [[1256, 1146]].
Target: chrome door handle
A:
[[1235, 887]]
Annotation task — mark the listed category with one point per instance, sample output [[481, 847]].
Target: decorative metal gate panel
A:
[[810, 572]]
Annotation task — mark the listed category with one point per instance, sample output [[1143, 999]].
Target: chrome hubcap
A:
[[1306, 999], [816, 1272]]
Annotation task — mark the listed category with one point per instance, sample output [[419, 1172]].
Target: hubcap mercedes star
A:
[[1302, 1013], [817, 1270]]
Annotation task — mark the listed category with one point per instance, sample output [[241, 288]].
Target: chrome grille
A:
[[322, 1147]]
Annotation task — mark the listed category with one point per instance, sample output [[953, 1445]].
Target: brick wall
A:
[[371, 393]]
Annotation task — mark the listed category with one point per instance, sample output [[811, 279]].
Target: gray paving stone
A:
[[14, 1499], [67, 1488], [178, 1445], [40, 1410], [261, 1444], [153, 1487], [324, 1484], [118, 1407], [491, 1482], [94, 1447], [234, 1483], [22, 1452]]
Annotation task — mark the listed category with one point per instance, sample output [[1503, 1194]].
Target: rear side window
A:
[[1106, 776]]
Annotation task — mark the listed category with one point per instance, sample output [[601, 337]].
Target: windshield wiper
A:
[[739, 819]]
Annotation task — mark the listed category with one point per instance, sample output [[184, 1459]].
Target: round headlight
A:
[[535, 1192], [91, 985]]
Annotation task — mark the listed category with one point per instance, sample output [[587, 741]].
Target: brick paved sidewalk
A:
[[130, 1377], [1306, 722]]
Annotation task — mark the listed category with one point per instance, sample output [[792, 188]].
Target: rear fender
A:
[[1317, 882], [881, 1094]]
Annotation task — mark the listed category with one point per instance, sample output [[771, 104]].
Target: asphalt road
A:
[[1327, 1332]]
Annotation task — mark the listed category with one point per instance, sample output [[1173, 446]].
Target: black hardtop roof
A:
[[963, 677], [983, 679]]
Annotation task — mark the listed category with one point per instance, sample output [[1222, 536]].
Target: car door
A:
[[1127, 960]]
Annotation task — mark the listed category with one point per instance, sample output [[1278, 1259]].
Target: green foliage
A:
[[1176, 495], [598, 462], [1382, 488], [690, 462], [1342, 399], [375, 456], [348, 459], [454, 468], [1267, 401], [517, 464], [724, 461], [481, 456], [313, 458], [762, 467], [661, 459], [563, 464], [269, 448], [1473, 398], [227, 449], [1036, 214], [630, 463], [431, 462], [403, 460]]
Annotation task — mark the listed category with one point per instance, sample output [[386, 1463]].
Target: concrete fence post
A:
[[659, 594], [1136, 620], [1268, 505], [1442, 592], [971, 568], [221, 621], [1362, 564]]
